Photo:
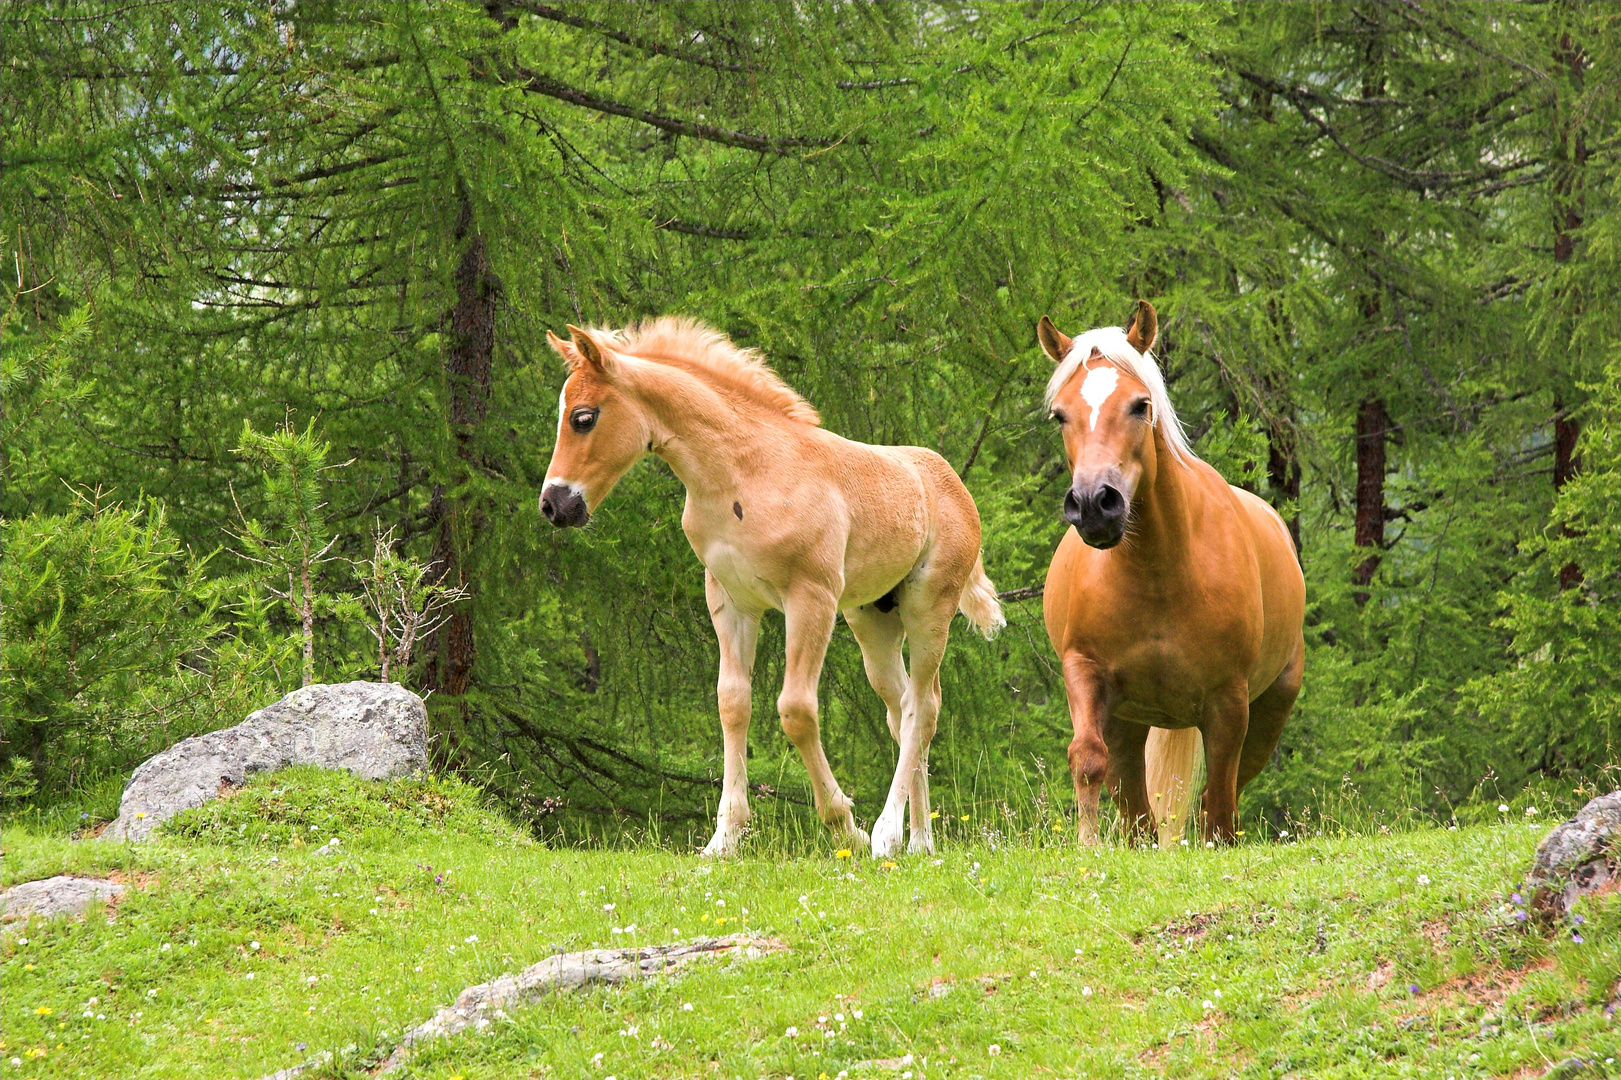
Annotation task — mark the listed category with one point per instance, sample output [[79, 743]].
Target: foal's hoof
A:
[[722, 846], [886, 836]]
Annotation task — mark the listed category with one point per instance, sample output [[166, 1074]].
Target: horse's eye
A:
[[1139, 408], [583, 419], [1060, 417]]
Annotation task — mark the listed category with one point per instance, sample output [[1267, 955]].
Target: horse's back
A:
[[903, 504]]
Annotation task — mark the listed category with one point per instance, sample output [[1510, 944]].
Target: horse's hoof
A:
[[920, 844], [886, 836]]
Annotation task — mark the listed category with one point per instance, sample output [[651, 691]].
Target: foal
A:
[[788, 516], [1175, 601]]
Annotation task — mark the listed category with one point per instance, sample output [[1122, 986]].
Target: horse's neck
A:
[[704, 438], [1162, 529]]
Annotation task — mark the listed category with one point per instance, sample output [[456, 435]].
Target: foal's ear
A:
[[1143, 329], [1053, 340], [594, 355], [562, 348]]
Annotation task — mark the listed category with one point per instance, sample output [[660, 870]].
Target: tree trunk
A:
[[1372, 422], [468, 365], [1569, 208], [1372, 426], [1566, 463], [307, 610]]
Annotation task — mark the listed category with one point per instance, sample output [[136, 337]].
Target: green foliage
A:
[[38, 385], [105, 617], [370, 213], [1559, 702], [296, 541], [116, 643], [307, 807]]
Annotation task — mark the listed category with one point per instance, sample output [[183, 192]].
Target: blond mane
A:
[[687, 343], [1112, 344]]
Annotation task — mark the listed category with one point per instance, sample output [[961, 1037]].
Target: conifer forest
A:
[[278, 399]]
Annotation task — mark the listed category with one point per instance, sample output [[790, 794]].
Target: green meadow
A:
[[237, 950]]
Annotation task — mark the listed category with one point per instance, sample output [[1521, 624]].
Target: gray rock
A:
[[51, 897], [1575, 859], [480, 1005], [374, 730]]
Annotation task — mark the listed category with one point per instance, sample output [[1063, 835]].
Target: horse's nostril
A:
[[1110, 501]]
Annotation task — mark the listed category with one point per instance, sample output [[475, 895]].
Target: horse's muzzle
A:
[[563, 506], [1099, 515]]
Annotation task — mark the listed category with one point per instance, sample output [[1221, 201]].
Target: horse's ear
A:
[[1053, 340], [1143, 329], [595, 356]]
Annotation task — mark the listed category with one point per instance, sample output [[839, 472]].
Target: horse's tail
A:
[[1171, 759], [979, 604]]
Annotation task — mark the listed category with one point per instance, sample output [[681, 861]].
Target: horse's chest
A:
[[1163, 683]]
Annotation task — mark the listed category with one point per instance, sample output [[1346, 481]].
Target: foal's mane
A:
[[678, 341], [1113, 346]]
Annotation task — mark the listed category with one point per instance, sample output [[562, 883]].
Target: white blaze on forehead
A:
[[562, 406], [1100, 383]]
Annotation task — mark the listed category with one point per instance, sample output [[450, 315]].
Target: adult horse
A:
[[1176, 602], [783, 515]]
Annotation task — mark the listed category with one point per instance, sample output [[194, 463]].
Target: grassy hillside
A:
[[240, 950]]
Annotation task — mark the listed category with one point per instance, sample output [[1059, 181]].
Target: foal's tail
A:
[[979, 605], [1171, 758]]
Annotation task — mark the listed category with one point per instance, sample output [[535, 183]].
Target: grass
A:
[[238, 950]]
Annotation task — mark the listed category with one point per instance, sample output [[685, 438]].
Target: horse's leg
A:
[[1267, 716], [1088, 751], [737, 632], [880, 636], [1224, 734], [1127, 777], [809, 614], [928, 629]]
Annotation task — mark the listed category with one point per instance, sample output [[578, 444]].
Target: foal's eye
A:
[[1139, 409], [583, 419], [1060, 417]]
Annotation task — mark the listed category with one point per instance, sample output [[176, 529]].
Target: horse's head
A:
[[1107, 396], [601, 431]]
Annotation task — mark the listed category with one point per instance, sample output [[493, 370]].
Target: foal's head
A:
[[1108, 397], [601, 432]]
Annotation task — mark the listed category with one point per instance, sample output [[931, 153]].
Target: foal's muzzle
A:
[[563, 506], [1098, 514]]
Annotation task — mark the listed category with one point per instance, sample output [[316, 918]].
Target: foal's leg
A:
[[809, 614], [928, 631], [1088, 752], [922, 820], [738, 631], [1224, 734], [880, 636]]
